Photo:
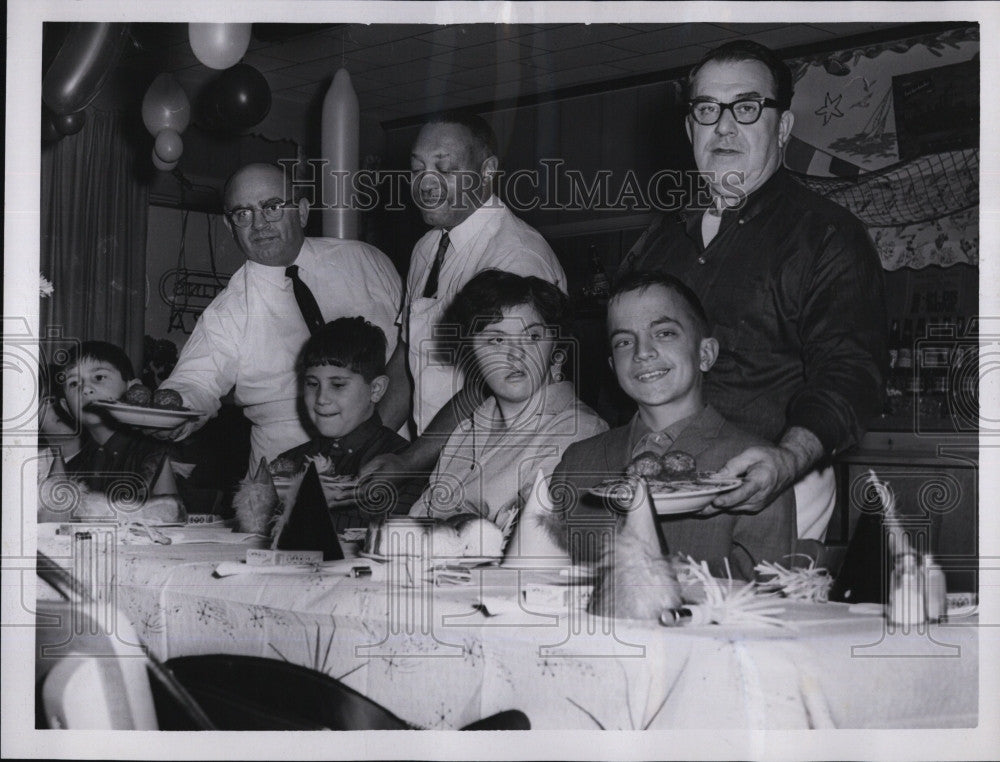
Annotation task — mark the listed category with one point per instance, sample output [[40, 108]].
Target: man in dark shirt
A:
[[791, 281]]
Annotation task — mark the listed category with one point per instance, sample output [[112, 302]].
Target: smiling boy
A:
[[660, 351], [342, 370]]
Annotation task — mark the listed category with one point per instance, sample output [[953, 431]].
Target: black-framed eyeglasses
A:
[[272, 211], [744, 111]]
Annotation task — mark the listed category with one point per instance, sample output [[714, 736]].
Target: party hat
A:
[[531, 545]]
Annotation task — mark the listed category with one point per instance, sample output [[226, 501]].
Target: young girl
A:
[[511, 333]]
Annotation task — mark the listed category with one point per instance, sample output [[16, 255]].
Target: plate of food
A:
[[675, 485], [163, 409]]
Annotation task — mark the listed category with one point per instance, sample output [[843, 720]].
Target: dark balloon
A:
[[242, 97], [49, 132], [70, 124], [82, 65]]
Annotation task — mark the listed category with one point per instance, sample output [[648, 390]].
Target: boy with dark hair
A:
[[342, 372], [660, 351], [111, 455]]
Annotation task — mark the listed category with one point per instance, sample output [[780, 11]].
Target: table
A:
[[433, 659]]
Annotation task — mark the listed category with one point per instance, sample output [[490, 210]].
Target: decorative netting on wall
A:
[[920, 190]]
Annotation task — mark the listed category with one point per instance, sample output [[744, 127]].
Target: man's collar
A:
[[306, 259], [759, 199], [469, 229]]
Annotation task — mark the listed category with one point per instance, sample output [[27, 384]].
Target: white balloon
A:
[[219, 46], [340, 139]]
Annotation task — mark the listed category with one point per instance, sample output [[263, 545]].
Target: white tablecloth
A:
[[433, 659]]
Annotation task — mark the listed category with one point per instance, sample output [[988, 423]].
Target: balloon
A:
[[165, 106], [340, 147], [49, 132], [164, 166], [242, 97], [168, 146], [82, 65], [219, 46], [70, 124]]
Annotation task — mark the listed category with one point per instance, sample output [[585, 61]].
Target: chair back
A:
[[90, 671]]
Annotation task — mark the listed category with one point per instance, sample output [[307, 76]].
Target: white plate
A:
[[671, 498], [147, 417]]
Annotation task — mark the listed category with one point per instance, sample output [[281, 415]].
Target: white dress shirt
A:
[[250, 335], [491, 237]]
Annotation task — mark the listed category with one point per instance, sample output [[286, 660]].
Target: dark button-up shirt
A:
[[351, 451], [117, 464], [793, 288]]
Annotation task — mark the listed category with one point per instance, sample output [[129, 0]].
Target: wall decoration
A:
[[876, 130], [950, 240], [843, 101], [937, 109]]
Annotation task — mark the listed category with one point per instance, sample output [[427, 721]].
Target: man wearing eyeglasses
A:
[[791, 281], [250, 335]]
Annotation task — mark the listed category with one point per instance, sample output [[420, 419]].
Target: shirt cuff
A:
[[836, 429]]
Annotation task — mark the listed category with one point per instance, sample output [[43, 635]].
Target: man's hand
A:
[[391, 467], [768, 471], [338, 495]]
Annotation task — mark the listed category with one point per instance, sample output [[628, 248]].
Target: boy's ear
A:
[[708, 351], [379, 385], [132, 383]]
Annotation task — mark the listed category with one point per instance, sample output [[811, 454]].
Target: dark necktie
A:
[[306, 300], [431, 287]]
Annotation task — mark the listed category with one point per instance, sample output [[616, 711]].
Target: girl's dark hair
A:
[[483, 299], [347, 342]]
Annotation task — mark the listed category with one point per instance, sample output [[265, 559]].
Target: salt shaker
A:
[[935, 590], [906, 593]]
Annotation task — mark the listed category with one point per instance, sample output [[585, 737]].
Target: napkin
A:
[[144, 533], [347, 567]]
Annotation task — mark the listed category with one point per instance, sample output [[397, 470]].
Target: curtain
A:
[[93, 236]]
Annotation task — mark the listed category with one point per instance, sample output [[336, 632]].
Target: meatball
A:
[[677, 465], [168, 399], [645, 464], [138, 395]]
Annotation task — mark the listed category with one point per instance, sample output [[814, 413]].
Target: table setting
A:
[[441, 642]]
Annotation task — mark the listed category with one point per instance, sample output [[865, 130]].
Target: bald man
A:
[[248, 338]]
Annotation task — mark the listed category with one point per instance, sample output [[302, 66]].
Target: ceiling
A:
[[401, 71]]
